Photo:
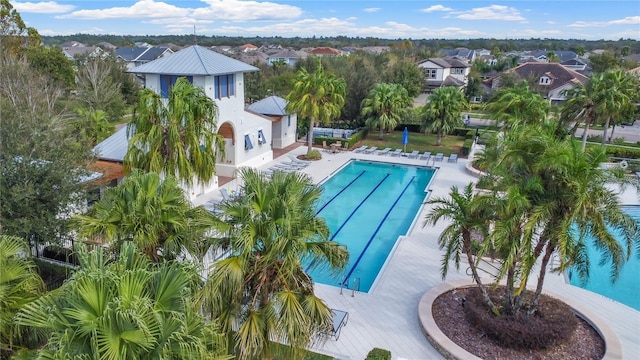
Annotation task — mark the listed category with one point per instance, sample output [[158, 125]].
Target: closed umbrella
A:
[[405, 138]]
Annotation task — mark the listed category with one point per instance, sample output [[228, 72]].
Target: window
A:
[[432, 73], [544, 80], [167, 82], [261, 138], [288, 120], [247, 142], [458, 71], [225, 86]]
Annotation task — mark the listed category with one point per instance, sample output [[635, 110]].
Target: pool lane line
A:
[[340, 192], [356, 209], [346, 278]]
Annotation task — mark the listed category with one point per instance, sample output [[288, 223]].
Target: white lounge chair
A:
[[397, 152], [371, 150], [384, 151], [360, 149], [438, 157], [297, 161], [426, 155], [453, 158], [414, 154], [340, 319]]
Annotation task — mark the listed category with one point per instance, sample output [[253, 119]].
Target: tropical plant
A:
[[261, 292], [95, 126], [19, 285], [619, 100], [177, 139], [317, 96], [384, 106], [443, 112], [518, 105], [152, 213], [127, 308]]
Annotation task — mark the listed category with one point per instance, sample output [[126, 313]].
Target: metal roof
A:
[[273, 105], [194, 60], [113, 148]]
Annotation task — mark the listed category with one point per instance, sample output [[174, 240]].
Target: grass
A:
[[417, 141]]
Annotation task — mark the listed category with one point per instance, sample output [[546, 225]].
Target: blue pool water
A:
[[626, 290], [367, 205]]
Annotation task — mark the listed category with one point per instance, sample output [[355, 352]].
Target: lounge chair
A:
[[438, 157], [360, 149], [371, 150], [296, 161], [384, 151], [213, 206], [397, 152], [340, 319], [226, 194], [453, 158], [414, 154], [426, 155], [324, 145]]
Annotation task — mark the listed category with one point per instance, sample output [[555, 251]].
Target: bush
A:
[[378, 354], [313, 155], [59, 253], [466, 147], [552, 324]]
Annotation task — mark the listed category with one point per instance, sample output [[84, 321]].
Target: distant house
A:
[[252, 57], [76, 52], [287, 56], [284, 124], [444, 72], [248, 47], [575, 64], [376, 49], [464, 53], [542, 55], [551, 78], [247, 134], [324, 51], [136, 56], [107, 46], [635, 71]]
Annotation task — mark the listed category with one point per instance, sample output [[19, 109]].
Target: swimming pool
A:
[[367, 206], [627, 289]]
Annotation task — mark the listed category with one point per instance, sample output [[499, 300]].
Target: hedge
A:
[[355, 137], [378, 354], [466, 147]]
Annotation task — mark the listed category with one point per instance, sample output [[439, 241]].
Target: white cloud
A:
[[372, 10], [436, 8], [45, 7], [141, 9], [492, 12], [629, 20], [235, 10]]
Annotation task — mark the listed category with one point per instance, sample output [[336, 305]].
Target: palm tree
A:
[[619, 98], [261, 291], [385, 105], [518, 105], [19, 285], [95, 125], [466, 218], [317, 96], [149, 211], [127, 308], [444, 111], [175, 137]]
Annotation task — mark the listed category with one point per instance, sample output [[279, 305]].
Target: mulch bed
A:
[[450, 317]]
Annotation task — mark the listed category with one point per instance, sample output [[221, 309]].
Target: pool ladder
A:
[[354, 288]]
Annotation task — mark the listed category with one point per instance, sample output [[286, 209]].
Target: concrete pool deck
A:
[[387, 316]]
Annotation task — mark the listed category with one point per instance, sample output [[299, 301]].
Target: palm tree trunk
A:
[[613, 129], [508, 291], [584, 134], [477, 280], [381, 132], [439, 141], [310, 137], [604, 133], [543, 271]]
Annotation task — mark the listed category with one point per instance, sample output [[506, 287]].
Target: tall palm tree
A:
[[19, 285], [619, 99], [518, 105], [175, 137], [128, 308], [466, 217], [261, 292], [149, 211], [317, 96], [385, 105], [444, 111]]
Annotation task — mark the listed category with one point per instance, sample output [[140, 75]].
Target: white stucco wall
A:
[[284, 131]]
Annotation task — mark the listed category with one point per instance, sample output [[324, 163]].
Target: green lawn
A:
[[417, 141]]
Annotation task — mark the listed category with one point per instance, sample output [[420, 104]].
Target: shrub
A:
[[553, 323], [466, 147], [313, 155], [378, 354]]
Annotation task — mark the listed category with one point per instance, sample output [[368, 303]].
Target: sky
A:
[[415, 19]]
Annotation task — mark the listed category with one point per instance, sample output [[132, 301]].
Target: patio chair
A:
[[296, 161], [226, 195], [438, 157], [325, 147], [360, 149], [371, 150], [340, 319], [397, 152], [384, 151], [213, 206], [414, 154], [426, 155], [453, 158]]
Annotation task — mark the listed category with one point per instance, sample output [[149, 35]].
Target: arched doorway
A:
[[226, 166]]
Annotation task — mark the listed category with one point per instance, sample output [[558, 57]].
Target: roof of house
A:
[[447, 62], [272, 105], [563, 55], [462, 52], [323, 50], [635, 71], [559, 74], [74, 51], [452, 81], [289, 53], [129, 53], [249, 46], [194, 60], [113, 148]]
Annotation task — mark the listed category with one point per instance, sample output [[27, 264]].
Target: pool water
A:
[[626, 289], [367, 206]]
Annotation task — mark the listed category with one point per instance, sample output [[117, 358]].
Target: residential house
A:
[[444, 72], [286, 56], [575, 65], [284, 124], [464, 53], [247, 135], [541, 55], [552, 79], [376, 49], [107, 46], [324, 51], [248, 47], [252, 57], [136, 56], [77, 52]]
